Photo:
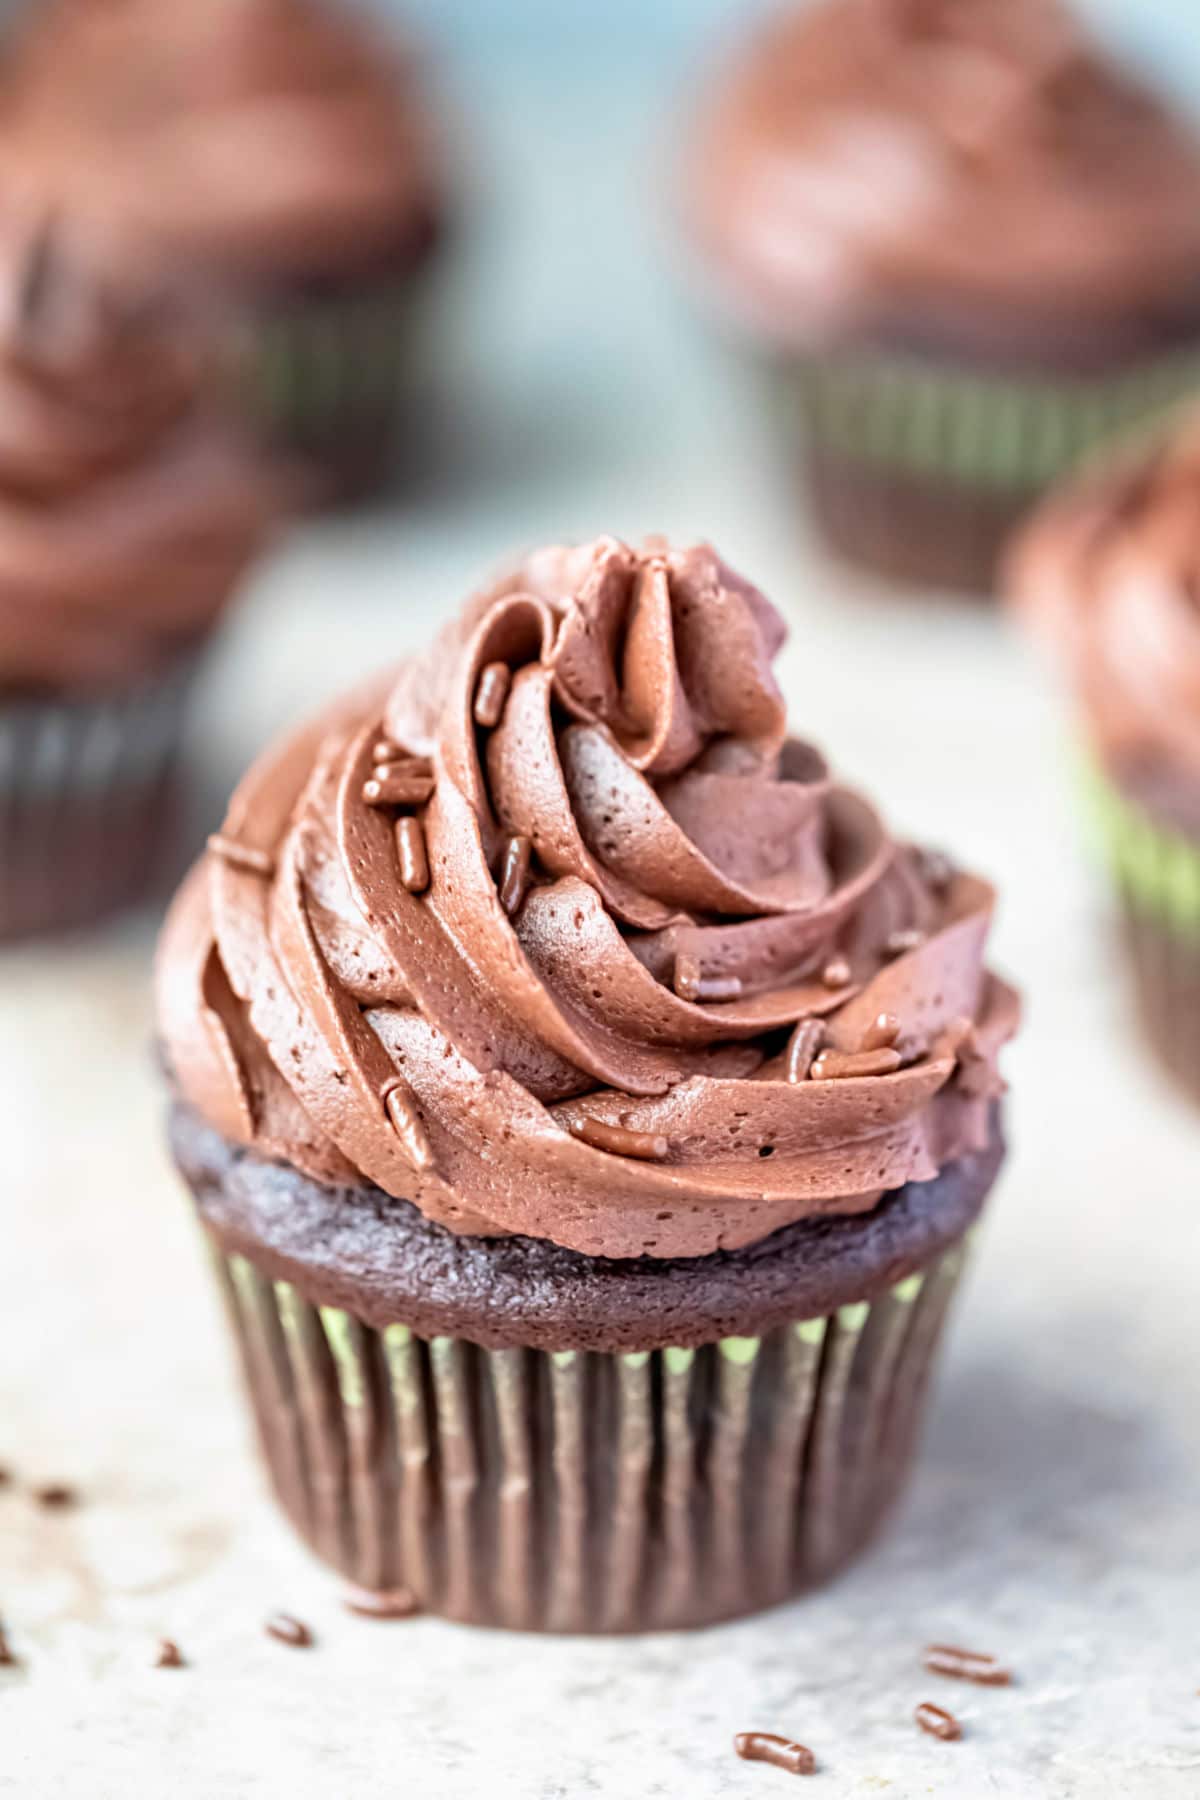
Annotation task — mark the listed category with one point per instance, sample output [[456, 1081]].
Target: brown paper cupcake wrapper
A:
[[86, 790], [1004, 434], [1156, 874], [575, 1491], [920, 471], [326, 373], [916, 532]]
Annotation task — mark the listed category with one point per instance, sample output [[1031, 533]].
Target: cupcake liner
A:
[[326, 374], [1005, 434], [579, 1491], [85, 801], [921, 533], [1156, 874]]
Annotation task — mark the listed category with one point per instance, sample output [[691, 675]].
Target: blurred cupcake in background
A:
[[276, 155], [1109, 571], [969, 246], [127, 515]]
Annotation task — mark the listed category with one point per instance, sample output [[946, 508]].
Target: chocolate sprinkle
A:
[[769, 1747], [56, 1496], [619, 1140], [843, 1065], [721, 987], [901, 942], [383, 750], [286, 1630], [803, 1045], [882, 1034], [491, 694], [8, 1656], [514, 874], [242, 856], [414, 859], [836, 973], [687, 976], [399, 784], [5, 1476], [400, 1105], [390, 1603], [170, 1656], [691, 983], [966, 1665], [937, 1722]]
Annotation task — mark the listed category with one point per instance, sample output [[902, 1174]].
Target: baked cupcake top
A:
[[252, 139], [126, 510], [555, 931], [1108, 572], [936, 167]]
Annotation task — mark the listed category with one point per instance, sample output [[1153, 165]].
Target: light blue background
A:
[[651, 36]]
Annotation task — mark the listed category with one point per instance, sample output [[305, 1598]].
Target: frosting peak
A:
[[557, 932]]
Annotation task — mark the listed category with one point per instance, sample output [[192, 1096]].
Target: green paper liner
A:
[[1156, 875], [1004, 434], [86, 801], [327, 377], [581, 1492]]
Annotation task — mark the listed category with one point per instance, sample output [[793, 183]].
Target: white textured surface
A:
[[1054, 1519]]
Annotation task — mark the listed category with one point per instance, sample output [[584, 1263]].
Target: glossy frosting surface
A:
[[663, 986], [904, 165], [128, 508], [248, 138], [1109, 574]]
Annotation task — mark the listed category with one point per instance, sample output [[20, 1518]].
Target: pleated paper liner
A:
[[329, 378], [983, 430], [1156, 873], [921, 471], [583, 1492], [914, 532], [87, 790]]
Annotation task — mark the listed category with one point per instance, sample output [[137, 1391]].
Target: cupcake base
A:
[[1156, 868], [331, 374], [88, 803], [1166, 976], [910, 531], [920, 465], [520, 1436]]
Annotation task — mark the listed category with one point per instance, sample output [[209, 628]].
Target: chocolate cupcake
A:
[[126, 518], [969, 248], [588, 1105], [1109, 571], [276, 155]]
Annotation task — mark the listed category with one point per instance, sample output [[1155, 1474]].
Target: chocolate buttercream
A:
[[254, 139], [126, 511], [598, 1056], [899, 167], [1108, 572]]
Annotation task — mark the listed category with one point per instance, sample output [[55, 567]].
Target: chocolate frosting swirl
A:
[[1108, 572], [251, 139], [885, 166], [126, 511], [595, 1049]]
